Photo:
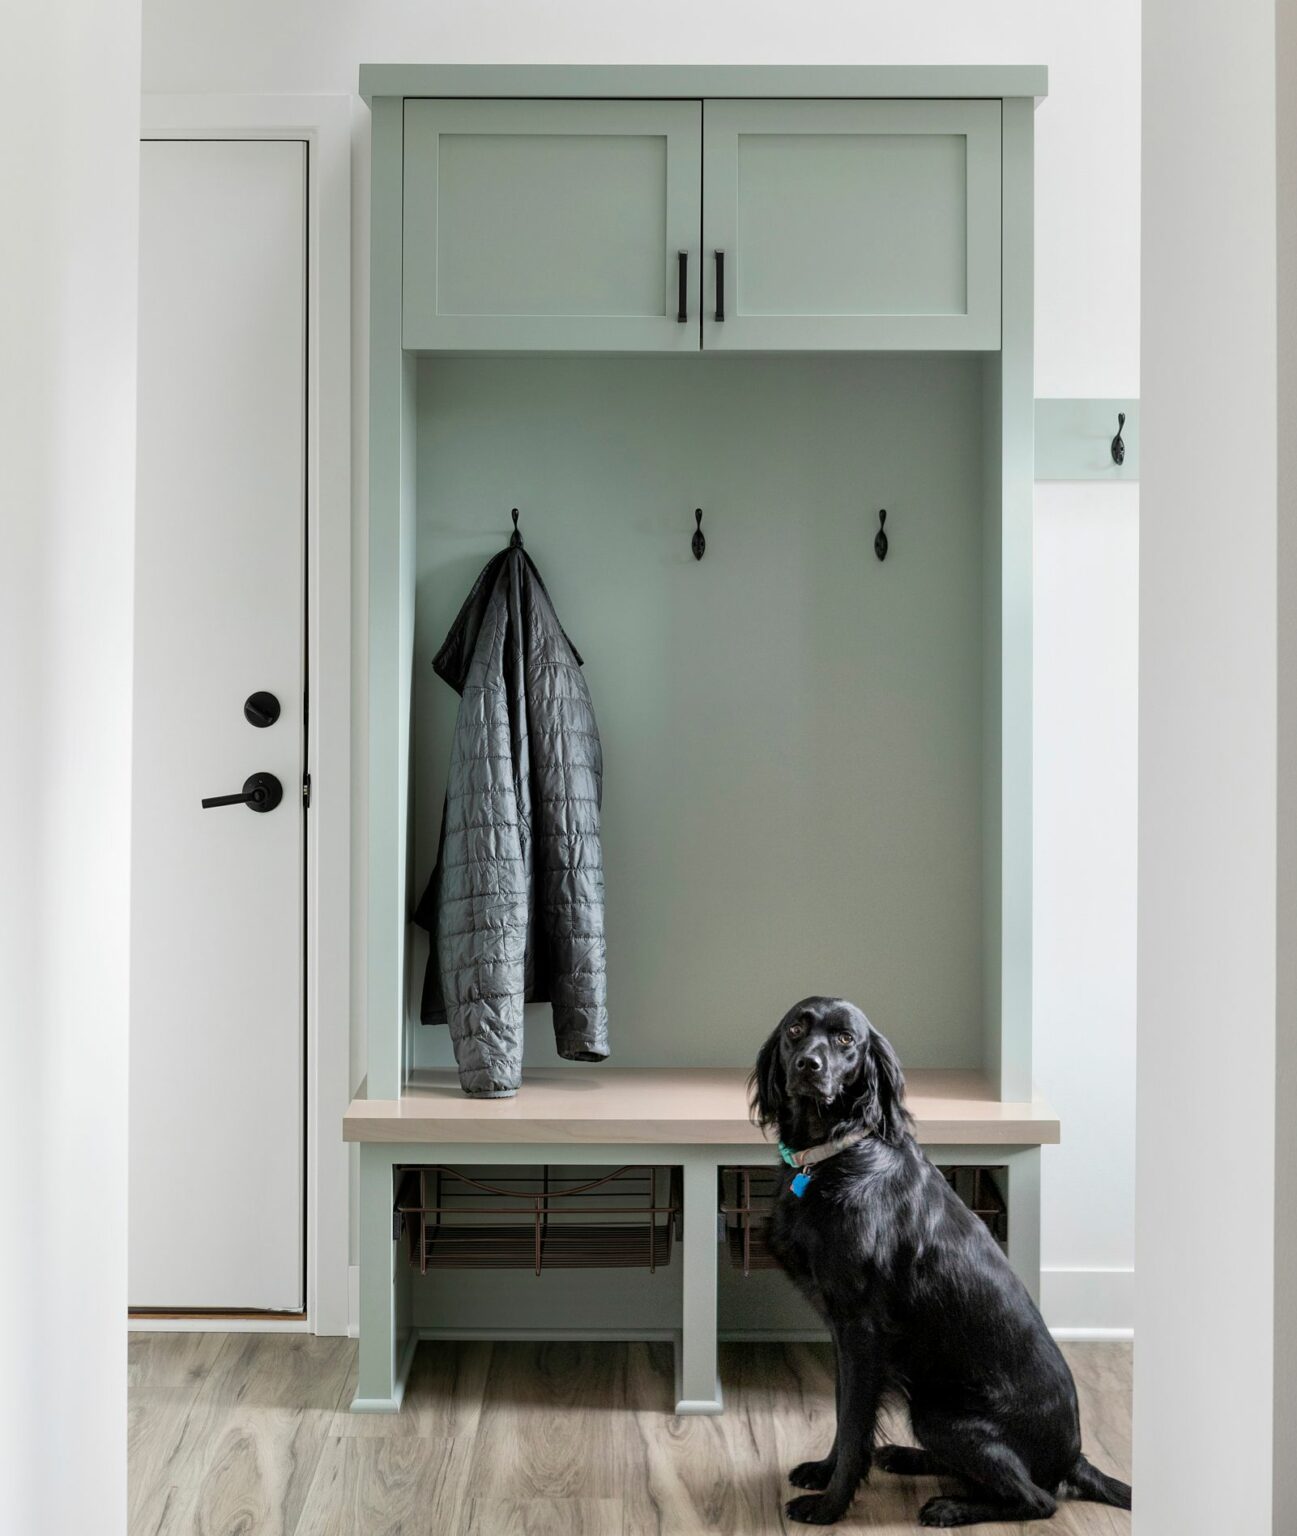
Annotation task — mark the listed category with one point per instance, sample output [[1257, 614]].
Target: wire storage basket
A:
[[540, 1218], [747, 1194], [980, 1190], [746, 1197]]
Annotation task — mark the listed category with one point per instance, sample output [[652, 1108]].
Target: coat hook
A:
[[699, 542], [880, 538], [1119, 447], [515, 538]]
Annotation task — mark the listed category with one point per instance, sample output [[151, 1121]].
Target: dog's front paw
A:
[[815, 1509], [944, 1513], [813, 1474]]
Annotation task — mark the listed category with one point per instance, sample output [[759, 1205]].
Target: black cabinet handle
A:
[[261, 792], [720, 285], [682, 297]]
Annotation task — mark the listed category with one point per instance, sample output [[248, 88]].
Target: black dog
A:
[[919, 1298]]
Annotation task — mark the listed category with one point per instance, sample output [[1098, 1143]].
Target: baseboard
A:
[[214, 1322], [553, 1335], [772, 1335], [1089, 1303], [1093, 1335], [1075, 1333]]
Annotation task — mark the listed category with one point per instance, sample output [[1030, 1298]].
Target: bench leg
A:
[[1023, 1200], [698, 1388], [386, 1348]]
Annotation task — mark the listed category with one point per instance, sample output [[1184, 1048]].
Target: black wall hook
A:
[[880, 538], [1118, 446], [515, 538], [699, 542]]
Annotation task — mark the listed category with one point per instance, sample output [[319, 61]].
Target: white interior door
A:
[[217, 1052]]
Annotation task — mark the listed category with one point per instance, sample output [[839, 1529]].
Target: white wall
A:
[[69, 100], [1285, 1323], [1087, 572], [1205, 1451], [1087, 322]]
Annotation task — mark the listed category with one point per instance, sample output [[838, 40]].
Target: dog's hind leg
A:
[[1003, 1489]]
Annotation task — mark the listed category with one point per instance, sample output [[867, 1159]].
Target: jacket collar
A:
[[453, 660]]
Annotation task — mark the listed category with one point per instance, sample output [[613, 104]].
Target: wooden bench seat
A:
[[698, 1106]]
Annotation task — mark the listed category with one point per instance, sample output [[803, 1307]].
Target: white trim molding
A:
[[1088, 1303], [215, 1322], [324, 124]]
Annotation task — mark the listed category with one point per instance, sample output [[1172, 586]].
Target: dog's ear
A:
[[766, 1096], [881, 1100]]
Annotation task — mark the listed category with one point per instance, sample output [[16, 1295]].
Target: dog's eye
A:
[[796, 1031], [846, 1039]]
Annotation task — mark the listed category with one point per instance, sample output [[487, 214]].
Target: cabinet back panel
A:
[[792, 730]]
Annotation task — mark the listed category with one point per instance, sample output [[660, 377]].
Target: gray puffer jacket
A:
[[515, 905]]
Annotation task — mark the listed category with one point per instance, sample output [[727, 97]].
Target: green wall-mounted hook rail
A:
[[1087, 439]]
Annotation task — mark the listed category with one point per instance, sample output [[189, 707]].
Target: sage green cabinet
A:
[[851, 225], [551, 225], [870, 210]]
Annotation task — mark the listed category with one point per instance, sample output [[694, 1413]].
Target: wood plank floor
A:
[[249, 1435]]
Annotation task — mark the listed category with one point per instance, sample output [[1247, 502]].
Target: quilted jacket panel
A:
[[515, 905]]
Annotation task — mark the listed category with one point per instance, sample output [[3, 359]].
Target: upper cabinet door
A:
[[852, 225], [552, 225]]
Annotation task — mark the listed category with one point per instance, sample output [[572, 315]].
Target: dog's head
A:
[[825, 1070]]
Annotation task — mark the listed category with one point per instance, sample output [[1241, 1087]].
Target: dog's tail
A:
[[1087, 1482]]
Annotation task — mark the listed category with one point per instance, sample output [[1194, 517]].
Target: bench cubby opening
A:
[[538, 1218], [747, 1193]]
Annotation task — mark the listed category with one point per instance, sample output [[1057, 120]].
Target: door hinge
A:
[[306, 791]]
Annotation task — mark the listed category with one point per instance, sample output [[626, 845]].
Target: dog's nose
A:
[[809, 1065]]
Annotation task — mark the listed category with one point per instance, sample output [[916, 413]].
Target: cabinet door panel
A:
[[551, 225], [853, 224]]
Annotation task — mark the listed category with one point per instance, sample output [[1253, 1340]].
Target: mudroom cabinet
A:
[[796, 299]]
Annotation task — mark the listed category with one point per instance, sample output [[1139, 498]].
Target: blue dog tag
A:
[[800, 1181]]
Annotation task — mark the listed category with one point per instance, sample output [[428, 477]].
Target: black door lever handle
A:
[[261, 792]]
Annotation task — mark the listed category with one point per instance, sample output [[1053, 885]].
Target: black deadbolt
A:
[[260, 792], [261, 710]]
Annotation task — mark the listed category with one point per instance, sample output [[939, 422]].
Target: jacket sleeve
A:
[[481, 938], [568, 776]]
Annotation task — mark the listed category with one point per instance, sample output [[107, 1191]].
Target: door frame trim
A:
[[324, 124]]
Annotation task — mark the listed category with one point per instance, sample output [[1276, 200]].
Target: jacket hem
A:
[[574, 1048]]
